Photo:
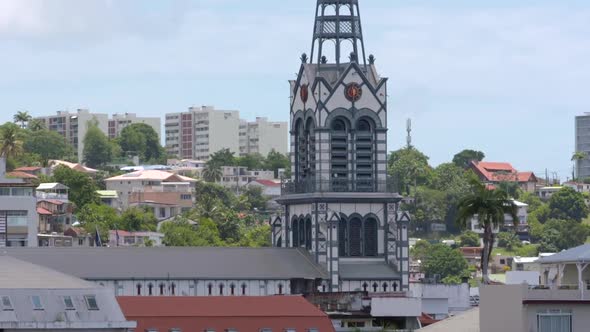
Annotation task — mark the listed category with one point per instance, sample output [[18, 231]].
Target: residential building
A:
[[54, 208], [521, 227], [109, 198], [262, 136], [73, 125], [269, 188], [27, 177], [80, 237], [154, 188], [32, 170], [582, 141], [578, 186], [339, 204], [186, 271], [75, 166], [472, 255], [120, 238], [35, 298], [202, 131], [240, 176], [18, 211], [497, 172], [441, 301], [225, 313], [545, 193], [119, 121]]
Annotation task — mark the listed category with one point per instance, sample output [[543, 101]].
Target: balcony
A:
[[561, 293], [338, 185]]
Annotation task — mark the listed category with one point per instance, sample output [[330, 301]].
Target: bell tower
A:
[[339, 204]]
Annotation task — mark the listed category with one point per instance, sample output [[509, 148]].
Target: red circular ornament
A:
[[304, 93], [353, 92]]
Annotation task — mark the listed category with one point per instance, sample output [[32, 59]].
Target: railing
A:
[[557, 293], [50, 195], [337, 185]]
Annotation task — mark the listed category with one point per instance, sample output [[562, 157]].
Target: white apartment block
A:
[[73, 125], [202, 131], [262, 136]]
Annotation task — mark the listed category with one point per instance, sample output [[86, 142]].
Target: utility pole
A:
[[409, 130], [546, 177]]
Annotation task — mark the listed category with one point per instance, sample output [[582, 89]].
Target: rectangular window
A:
[[36, 301], [16, 218], [91, 303], [554, 321], [7, 304], [4, 191], [68, 303]]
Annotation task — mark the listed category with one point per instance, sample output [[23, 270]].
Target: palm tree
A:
[[212, 172], [23, 117], [489, 206], [576, 157], [36, 125], [11, 144]]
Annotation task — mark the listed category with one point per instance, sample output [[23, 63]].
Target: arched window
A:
[[138, 289], [384, 287], [343, 237], [210, 289], [150, 288], [308, 233], [323, 288], [280, 289], [364, 157], [161, 286], [232, 289], [221, 286], [370, 237], [243, 289], [173, 289], [310, 140], [339, 155], [365, 287], [301, 232], [375, 285], [394, 286], [355, 237], [295, 232], [301, 151]]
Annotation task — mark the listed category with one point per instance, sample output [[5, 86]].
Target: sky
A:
[[504, 77]]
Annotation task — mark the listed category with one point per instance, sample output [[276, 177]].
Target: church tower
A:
[[339, 203]]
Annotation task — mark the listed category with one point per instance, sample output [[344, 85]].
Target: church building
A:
[[339, 203]]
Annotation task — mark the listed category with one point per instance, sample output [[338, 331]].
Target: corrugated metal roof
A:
[[367, 271], [180, 263], [578, 254], [17, 273], [467, 321], [52, 185]]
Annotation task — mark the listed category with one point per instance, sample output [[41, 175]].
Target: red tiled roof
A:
[[28, 168], [43, 211], [75, 231], [21, 175], [496, 166], [426, 319], [52, 201], [268, 183], [243, 313], [501, 172]]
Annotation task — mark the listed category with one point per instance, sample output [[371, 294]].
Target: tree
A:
[[450, 178], [97, 150], [430, 206], [444, 262], [465, 157], [251, 161], [22, 117], [179, 234], [576, 158], [508, 240], [142, 140], [36, 124], [469, 239], [420, 250], [563, 234], [82, 187], [11, 144], [48, 145], [256, 236], [255, 198], [99, 217], [409, 167], [275, 161], [222, 157], [490, 208], [568, 204], [212, 172], [137, 219]]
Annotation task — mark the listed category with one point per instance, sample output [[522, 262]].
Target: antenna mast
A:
[[409, 130]]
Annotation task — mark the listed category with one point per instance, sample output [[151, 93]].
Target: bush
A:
[[469, 239]]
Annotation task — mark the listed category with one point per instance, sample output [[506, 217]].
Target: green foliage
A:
[[409, 167], [568, 204], [276, 160], [212, 171], [529, 250], [99, 217], [464, 158], [469, 239], [48, 145], [562, 234], [508, 240], [82, 187], [255, 198], [36, 124], [22, 117], [142, 140], [137, 219], [97, 149], [256, 236], [420, 250], [223, 157], [453, 280], [445, 262], [430, 205], [11, 140], [252, 161]]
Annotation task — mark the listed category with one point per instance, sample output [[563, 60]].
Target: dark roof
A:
[[177, 263], [220, 313], [579, 254], [367, 271]]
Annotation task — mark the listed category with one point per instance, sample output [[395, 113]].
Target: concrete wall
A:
[[500, 308], [580, 315], [441, 300]]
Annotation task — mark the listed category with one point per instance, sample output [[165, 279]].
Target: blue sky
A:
[[506, 77]]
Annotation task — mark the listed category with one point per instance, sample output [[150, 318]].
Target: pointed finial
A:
[[371, 59], [303, 58], [324, 60], [352, 57]]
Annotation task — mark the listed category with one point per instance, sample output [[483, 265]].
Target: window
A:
[[554, 321], [280, 289], [4, 191], [80, 242], [243, 289], [375, 287], [91, 303], [365, 286], [232, 288], [210, 289], [384, 287], [162, 212], [221, 289], [16, 218], [68, 303], [138, 289], [36, 300], [150, 289], [7, 304], [173, 289], [161, 286]]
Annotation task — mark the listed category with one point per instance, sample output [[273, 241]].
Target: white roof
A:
[[51, 185], [156, 175], [520, 204], [525, 259]]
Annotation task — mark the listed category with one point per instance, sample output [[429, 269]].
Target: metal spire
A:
[[338, 21]]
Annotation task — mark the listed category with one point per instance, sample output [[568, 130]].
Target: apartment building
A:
[[582, 141], [262, 136], [18, 211], [73, 125], [202, 131]]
